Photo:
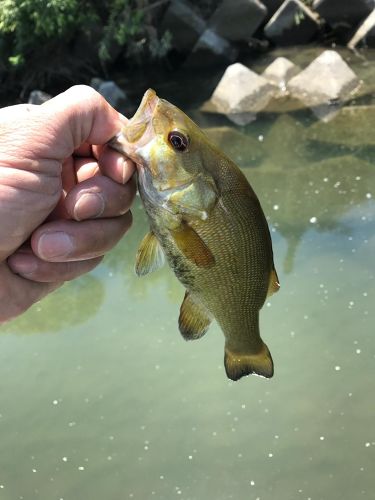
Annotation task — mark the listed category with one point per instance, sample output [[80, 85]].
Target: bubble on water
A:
[[260, 138], [81, 467], [368, 195], [358, 351], [190, 457], [252, 483], [55, 402], [64, 459], [367, 444], [321, 438], [270, 455], [337, 368], [276, 207], [161, 477], [325, 179], [337, 184], [34, 470], [313, 220]]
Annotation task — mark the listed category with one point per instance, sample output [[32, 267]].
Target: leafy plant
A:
[[55, 42]]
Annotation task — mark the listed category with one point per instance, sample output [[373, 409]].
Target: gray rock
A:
[[237, 20], [343, 13], [211, 50], [184, 24], [272, 6], [241, 94], [38, 97], [325, 84], [110, 91], [280, 71], [293, 23], [366, 29]]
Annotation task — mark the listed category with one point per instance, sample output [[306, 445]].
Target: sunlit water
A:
[[100, 398]]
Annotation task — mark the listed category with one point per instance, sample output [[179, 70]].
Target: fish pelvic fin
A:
[[238, 365], [194, 319], [150, 255], [274, 283]]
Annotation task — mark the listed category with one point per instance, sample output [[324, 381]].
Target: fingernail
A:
[[55, 245], [89, 206], [23, 264]]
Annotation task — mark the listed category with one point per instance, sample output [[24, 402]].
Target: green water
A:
[[100, 398]]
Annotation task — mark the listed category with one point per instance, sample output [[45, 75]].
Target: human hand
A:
[[64, 196]]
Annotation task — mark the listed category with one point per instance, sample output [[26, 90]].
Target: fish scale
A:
[[210, 225]]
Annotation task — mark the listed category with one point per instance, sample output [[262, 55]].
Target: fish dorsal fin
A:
[[194, 318], [274, 284], [150, 255], [192, 246]]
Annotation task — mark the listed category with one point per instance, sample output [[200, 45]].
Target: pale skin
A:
[[64, 196]]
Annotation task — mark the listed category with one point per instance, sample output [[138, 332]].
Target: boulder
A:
[[325, 84], [184, 24], [241, 94], [343, 13], [211, 50], [237, 20], [366, 30], [280, 71], [38, 97], [293, 23], [110, 91], [272, 6]]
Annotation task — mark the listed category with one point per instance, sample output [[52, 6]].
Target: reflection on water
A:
[[117, 405]]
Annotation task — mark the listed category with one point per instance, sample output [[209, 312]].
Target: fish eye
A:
[[178, 141]]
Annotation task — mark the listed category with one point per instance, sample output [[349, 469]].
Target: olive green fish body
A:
[[210, 226]]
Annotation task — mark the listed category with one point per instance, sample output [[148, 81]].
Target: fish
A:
[[207, 223]]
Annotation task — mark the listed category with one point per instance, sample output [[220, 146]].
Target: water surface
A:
[[100, 398]]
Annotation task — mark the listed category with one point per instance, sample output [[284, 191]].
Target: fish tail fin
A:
[[238, 365]]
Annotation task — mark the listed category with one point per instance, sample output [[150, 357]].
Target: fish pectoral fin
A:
[[238, 365], [194, 318], [192, 246], [274, 284], [150, 255]]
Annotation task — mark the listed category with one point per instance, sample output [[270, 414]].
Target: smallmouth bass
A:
[[206, 220]]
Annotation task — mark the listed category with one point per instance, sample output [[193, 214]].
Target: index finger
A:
[[74, 117]]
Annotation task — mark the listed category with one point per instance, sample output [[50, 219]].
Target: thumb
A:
[[34, 142]]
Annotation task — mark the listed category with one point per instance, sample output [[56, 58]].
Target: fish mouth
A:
[[137, 132]]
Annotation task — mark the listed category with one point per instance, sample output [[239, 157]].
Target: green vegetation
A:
[[56, 42]]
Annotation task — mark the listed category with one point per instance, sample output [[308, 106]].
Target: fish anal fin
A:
[[274, 284], [194, 318], [238, 365], [192, 246], [150, 255]]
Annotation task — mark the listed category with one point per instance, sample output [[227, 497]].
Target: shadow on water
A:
[[72, 304]]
